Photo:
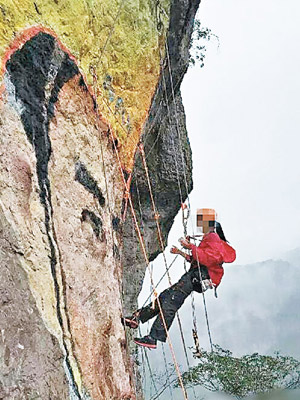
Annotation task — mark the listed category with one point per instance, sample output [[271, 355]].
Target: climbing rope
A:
[[167, 373], [168, 268], [95, 86], [184, 173], [142, 244], [151, 277], [111, 31], [157, 114], [144, 353], [144, 378], [177, 170], [183, 206], [160, 280], [194, 318], [119, 278], [156, 215]]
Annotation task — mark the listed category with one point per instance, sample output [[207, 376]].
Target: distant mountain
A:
[[293, 257], [257, 310], [258, 307]]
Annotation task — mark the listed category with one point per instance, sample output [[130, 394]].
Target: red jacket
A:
[[213, 252]]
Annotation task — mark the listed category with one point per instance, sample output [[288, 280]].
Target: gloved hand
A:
[[185, 243]]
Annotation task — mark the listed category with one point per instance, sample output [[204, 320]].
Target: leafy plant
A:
[[240, 377], [197, 47]]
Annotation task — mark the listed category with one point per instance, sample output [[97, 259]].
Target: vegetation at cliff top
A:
[[197, 46]]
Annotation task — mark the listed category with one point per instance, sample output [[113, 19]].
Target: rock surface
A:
[[28, 349], [118, 40], [54, 197], [168, 155], [62, 238]]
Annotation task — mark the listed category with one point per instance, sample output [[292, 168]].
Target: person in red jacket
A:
[[206, 272]]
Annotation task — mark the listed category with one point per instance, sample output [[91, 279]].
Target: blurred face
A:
[[206, 218]]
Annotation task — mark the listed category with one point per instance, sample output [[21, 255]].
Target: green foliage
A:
[[240, 377], [197, 46]]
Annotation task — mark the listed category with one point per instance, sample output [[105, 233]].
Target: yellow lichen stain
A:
[[121, 39]]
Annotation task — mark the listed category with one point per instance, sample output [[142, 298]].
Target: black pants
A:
[[171, 300]]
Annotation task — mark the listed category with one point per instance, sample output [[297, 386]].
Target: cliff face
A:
[[168, 154], [53, 197], [71, 115]]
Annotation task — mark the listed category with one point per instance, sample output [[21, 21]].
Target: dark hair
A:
[[220, 232]]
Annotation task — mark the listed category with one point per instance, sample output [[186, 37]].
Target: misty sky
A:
[[243, 118]]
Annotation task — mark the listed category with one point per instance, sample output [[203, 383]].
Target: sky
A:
[[243, 119], [242, 112]]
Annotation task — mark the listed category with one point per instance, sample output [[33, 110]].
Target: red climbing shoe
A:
[[146, 341], [132, 321]]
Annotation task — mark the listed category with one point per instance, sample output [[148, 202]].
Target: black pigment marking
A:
[[36, 9], [116, 223], [95, 104], [116, 144], [116, 252], [30, 69], [83, 176], [82, 84], [126, 174], [96, 223], [63, 276]]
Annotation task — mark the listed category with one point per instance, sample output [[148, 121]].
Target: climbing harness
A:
[[207, 284]]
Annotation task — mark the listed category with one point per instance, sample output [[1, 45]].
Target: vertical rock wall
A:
[[55, 198], [61, 187], [119, 40], [168, 155], [32, 363]]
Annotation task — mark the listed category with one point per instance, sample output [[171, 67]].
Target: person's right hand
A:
[[185, 243], [174, 250]]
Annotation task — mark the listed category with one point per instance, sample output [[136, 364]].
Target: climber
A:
[[206, 272]]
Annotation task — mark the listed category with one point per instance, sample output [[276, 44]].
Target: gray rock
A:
[[168, 155], [24, 337]]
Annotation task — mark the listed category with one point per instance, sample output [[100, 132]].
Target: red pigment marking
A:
[[28, 34], [24, 37]]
